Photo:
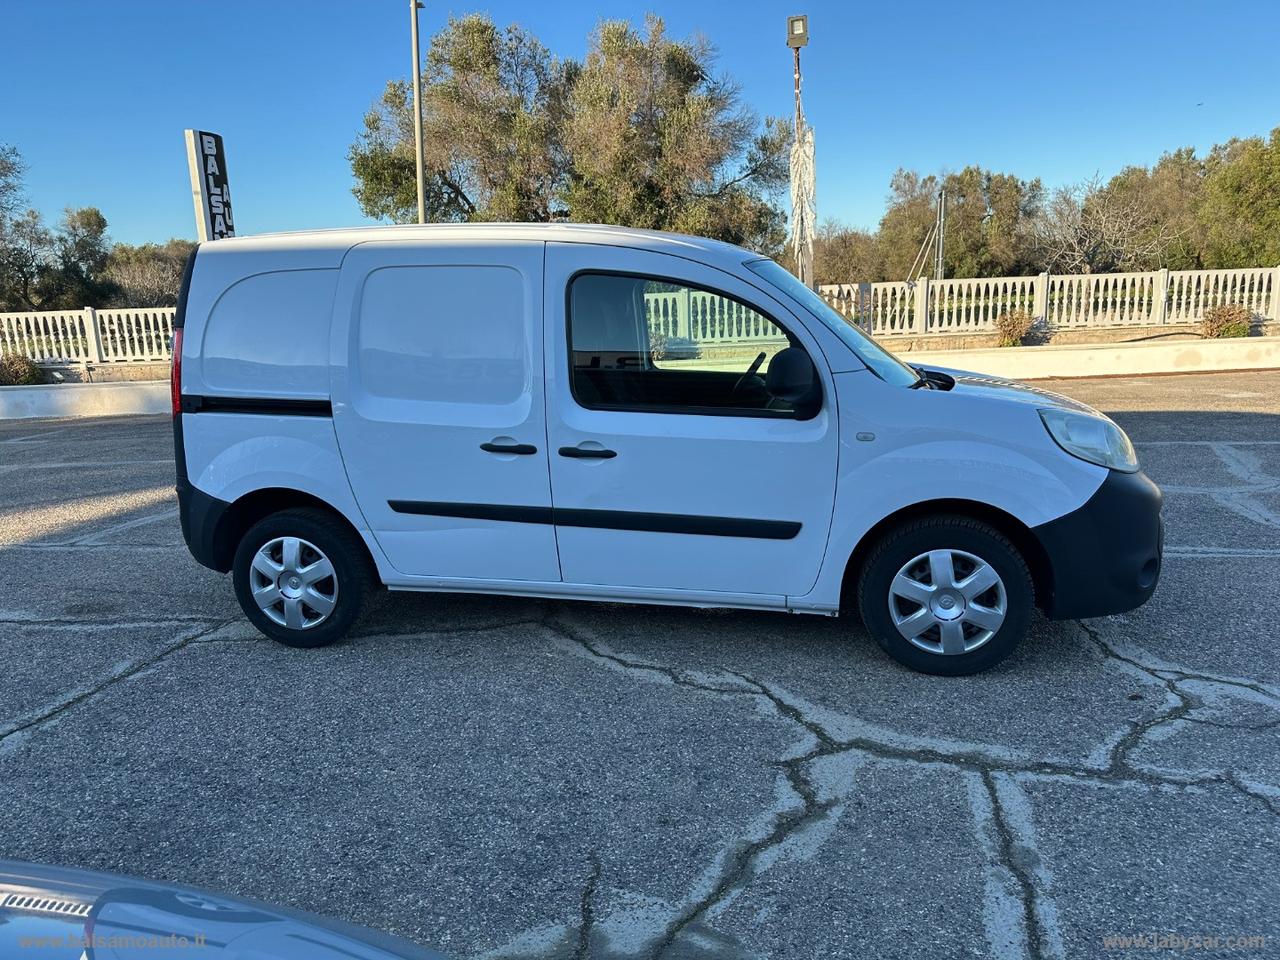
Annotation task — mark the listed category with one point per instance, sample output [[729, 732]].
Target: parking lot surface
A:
[[527, 779]]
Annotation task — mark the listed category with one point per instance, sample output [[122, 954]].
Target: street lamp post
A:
[[414, 7], [803, 205]]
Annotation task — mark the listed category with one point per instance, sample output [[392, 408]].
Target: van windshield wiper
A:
[[921, 380]]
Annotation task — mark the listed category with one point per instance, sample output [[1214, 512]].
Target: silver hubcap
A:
[[947, 601], [293, 583]]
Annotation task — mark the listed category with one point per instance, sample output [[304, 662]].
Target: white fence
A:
[[89, 336], [922, 307], [705, 317], [1064, 302]]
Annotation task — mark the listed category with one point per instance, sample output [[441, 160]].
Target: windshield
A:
[[882, 363]]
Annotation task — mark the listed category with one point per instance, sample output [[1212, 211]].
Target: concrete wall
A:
[[107, 372], [1107, 360], [84, 400]]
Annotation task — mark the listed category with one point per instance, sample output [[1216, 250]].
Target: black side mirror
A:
[[792, 378]]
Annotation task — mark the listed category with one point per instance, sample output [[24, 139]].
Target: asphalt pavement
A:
[[507, 778]]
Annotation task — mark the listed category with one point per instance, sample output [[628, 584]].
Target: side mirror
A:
[[793, 379]]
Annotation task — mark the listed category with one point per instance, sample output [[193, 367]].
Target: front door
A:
[[438, 406], [671, 465]]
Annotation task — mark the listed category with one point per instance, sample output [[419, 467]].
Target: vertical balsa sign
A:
[[209, 190]]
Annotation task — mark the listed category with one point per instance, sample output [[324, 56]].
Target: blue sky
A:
[[97, 92]]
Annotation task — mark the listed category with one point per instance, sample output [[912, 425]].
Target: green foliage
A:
[[989, 223], [1012, 328], [656, 140], [17, 370], [43, 269], [842, 255], [1226, 320], [641, 133], [1240, 212], [492, 107]]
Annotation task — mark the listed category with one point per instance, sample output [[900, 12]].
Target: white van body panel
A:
[[727, 466], [436, 349], [251, 284], [902, 448], [234, 455]]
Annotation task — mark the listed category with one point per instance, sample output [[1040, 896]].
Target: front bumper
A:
[[1105, 556]]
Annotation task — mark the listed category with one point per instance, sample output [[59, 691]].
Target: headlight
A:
[[1091, 438]]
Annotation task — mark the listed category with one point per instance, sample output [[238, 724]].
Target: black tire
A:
[[898, 547], [352, 573]]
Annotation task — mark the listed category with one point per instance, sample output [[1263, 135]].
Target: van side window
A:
[[660, 346]]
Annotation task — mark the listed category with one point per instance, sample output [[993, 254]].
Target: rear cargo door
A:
[[438, 405]]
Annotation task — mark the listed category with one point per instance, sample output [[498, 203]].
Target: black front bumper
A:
[[1105, 556]]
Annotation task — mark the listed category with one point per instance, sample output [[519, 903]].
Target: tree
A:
[[1089, 229], [1240, 211], [1168, 196], [657, 140], [26, 257], [642, 134], [80, 258], [147, 275], [989, 227], [492, 114], [842, 254], [11, 168], [43, 269]]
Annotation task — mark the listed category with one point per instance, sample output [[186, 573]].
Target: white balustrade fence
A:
[[1055, 302], [921, 307], [136, 335], [701, 316]]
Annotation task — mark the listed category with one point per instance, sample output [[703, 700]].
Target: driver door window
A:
[[659, 346]]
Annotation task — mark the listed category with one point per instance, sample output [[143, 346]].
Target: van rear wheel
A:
[[946, 595], [301, 577]]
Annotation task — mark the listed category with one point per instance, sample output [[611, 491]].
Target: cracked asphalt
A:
[[501, 778]]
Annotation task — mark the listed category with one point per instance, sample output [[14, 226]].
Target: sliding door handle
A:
[[587, 453], [523, 449]]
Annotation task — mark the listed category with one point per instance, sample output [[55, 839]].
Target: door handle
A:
[[586, 453], [524, 449]]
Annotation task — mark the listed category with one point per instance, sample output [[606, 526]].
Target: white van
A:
[[598, 413]]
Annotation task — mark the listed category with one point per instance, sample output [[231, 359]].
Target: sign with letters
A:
[[209, 188]]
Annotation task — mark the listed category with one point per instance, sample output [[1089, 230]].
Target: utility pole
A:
[[414, 7], [803, 205], [799, 118], [939, 263]]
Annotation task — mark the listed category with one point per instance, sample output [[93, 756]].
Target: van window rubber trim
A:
[[606, 519]]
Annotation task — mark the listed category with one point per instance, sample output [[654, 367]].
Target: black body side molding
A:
[[606, 519]]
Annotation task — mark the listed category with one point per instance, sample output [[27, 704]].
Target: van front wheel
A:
[[946, 595], [301, 578]]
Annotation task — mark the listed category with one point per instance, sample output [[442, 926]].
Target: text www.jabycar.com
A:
[[1184, 942]]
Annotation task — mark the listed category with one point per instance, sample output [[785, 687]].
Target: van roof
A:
[[343, 238]]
